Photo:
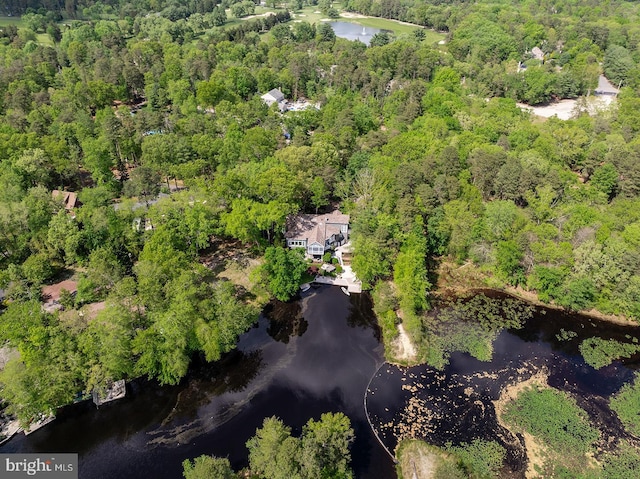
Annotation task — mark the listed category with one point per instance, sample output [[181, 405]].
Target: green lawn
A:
[[44, 39], [312, 15], [6, 21], [309, 14], [41, 38], [382, 24]]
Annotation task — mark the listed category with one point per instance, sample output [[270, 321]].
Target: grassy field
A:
[[44, 39], [311, 14], [41, 38], [396, 27], [6, 21]]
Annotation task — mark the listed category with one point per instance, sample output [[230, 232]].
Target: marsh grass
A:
[[626, 404], [555, 419], [598, 352], [470, 325]]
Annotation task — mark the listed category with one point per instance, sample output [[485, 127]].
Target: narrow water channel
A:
[[304, 358]]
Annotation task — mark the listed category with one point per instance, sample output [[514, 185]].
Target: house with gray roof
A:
[[537, 53], [274, 96], [605, 87], [317, 234]]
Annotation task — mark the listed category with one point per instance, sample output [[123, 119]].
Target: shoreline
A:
[[466, 280], [533, 298], [353, 15]]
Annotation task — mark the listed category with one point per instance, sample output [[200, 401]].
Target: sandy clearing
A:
[[266, 14], [406, 349], [563, 109], [567, 109], [403, 348]]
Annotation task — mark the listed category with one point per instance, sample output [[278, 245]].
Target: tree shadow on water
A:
[[285, 320]]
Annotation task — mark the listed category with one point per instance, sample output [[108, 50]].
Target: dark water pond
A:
[[317, 355], [353, 31], [303, 359], [455, 404]]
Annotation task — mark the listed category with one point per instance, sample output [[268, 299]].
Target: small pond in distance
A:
[[353, 31]]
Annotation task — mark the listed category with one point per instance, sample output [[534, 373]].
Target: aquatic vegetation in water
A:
[[471, 325], [598, 352], [565, 335]]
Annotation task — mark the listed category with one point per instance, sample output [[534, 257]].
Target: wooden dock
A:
[[352, 286]]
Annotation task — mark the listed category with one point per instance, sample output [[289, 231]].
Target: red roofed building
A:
[[69, 199]]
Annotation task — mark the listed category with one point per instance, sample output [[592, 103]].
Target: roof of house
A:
[[273, 95], [315, 228], [537, 53], [605, 86], [69, 199]]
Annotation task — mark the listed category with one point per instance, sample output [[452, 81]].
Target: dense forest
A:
[[150, 112]]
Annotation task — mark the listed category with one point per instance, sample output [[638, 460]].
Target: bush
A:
[[598, 352], [326, 258], [578, 294], [480, 458], [37, 269], [626, 404]]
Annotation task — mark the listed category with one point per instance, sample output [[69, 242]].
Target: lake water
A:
[[455, 404], [353, 31], [317, 355], [303, 359]]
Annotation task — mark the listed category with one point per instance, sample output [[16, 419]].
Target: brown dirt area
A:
[[239, 271], [418, 461], [51, 292], [233, 261], [221, 252], [459, 278]]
